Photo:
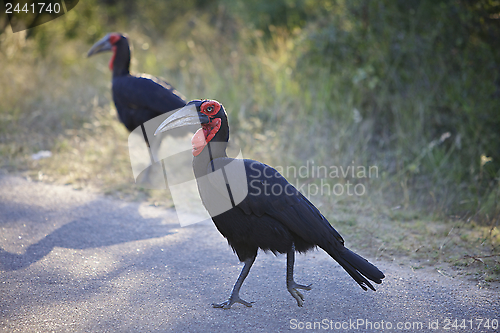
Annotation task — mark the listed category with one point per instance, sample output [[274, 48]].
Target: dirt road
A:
[[73, 261]]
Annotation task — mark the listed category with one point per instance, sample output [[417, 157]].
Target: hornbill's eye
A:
[[210, 108]]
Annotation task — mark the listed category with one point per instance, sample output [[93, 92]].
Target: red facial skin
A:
[[113, 39], [207, 131]]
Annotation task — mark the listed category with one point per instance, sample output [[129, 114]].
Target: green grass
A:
[[286, 108]]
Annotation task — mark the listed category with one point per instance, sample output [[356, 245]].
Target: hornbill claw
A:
[[227, 304], [292, 289]]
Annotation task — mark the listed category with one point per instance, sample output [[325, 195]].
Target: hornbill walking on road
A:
[[273, 215], [137, 98]]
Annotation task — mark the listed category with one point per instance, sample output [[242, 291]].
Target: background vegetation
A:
[[412, 87]]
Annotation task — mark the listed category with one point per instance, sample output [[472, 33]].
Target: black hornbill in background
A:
[[137, 98], [273, 216]]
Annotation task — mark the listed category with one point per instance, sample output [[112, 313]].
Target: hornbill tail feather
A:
[[358, 268]]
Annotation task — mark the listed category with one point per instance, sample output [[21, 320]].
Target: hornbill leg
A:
[[291, 285], [235, 293]]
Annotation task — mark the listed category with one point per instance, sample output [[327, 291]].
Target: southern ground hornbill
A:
[[137, 98], [273, 215]]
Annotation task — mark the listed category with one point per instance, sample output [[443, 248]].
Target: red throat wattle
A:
[[204, 135], [111, 62]]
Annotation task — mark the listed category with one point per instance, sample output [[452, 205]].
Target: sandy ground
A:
[[73, 261]]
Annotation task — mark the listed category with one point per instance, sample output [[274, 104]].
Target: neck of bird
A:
[[212, 151], [215, 148], [121, 59]]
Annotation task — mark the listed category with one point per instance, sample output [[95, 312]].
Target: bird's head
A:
[[110, 42], [209, 114]]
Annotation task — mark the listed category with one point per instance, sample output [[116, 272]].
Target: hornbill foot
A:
[[292, 289], [233, 299]]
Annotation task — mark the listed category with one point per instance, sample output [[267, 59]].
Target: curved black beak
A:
[[187, 116], [102, 45]]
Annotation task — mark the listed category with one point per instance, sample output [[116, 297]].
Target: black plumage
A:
[[273, 216], [137, 98]]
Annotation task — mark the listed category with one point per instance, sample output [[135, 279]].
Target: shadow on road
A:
[[99, 228]]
